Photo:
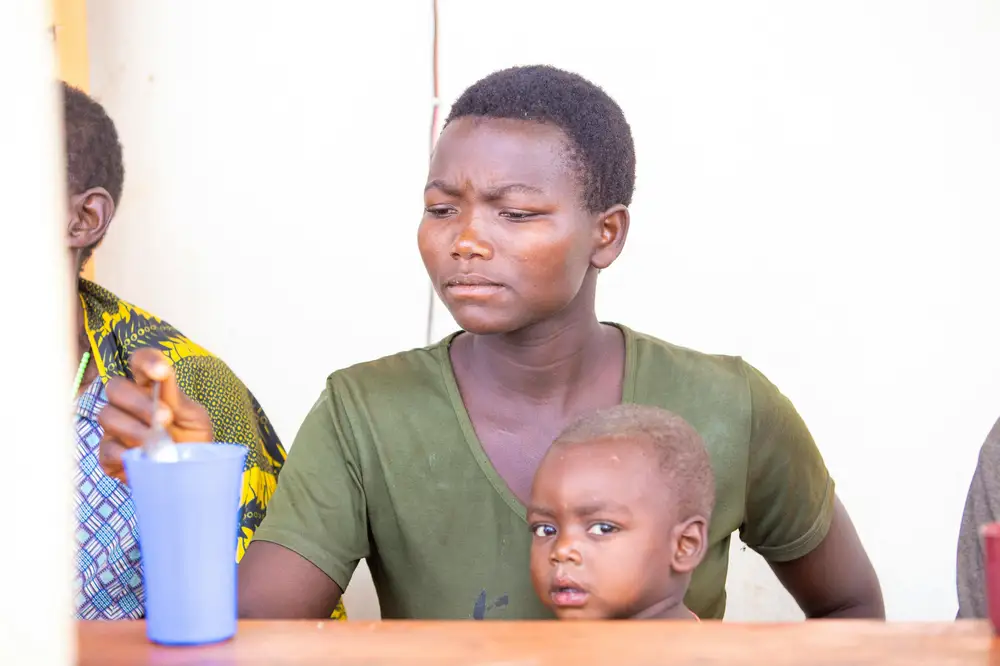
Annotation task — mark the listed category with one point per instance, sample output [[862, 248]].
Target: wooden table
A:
[[500, 643]]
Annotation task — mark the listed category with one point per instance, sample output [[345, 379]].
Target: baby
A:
[[619, 513]]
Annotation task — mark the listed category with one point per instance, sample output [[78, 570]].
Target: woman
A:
[[421, 462], [122, 345]]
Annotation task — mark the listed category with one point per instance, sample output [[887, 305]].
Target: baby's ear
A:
[[690, 541]]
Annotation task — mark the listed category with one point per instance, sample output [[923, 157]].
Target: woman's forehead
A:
[[492, 151]]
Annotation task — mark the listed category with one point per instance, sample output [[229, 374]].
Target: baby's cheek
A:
[[631, 570], [539, 562], [620, 570]]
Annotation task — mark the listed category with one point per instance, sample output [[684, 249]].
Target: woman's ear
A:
[[612, 229], [90, 213]]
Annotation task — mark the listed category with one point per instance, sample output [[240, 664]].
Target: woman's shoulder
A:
[[653, 352], [420, 368], [118, 328]]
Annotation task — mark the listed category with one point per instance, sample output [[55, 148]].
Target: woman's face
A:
[[505, 236]]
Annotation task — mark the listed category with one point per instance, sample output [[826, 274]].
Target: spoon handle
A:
[[158, 436]]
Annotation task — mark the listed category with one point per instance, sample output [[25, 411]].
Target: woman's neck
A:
[[546, 362]]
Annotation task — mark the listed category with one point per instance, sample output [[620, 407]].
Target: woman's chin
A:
[[480, 327], [480, 321]]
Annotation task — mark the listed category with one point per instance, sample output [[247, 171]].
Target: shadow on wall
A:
[[753, 592]]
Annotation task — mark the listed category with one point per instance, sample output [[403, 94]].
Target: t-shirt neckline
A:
[[469, 431]]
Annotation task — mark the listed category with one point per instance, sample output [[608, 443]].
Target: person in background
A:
[[982, 506], [619, 514], [422, 462], [122, 350]]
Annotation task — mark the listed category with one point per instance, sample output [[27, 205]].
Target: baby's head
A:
[[619, 514]]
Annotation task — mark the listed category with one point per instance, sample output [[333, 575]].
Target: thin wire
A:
[[436, 101], [434, 73]]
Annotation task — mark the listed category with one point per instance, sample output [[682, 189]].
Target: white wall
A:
[[275, 157], [816, 192], [37, 556]]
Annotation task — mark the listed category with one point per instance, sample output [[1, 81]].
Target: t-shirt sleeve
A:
[[318, 509], [982, 506], [790, 494]]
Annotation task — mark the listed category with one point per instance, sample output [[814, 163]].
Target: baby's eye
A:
[[543, 530], [602, 529]]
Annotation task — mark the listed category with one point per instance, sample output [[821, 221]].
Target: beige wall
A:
[[816, 193]]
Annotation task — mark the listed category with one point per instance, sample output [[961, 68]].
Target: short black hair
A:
[[684, 460], [93, 152], [600, 138]]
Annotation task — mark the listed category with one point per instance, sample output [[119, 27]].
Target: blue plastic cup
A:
[[188, 514]]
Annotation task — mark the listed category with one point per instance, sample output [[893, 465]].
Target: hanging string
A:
[[436, 105]]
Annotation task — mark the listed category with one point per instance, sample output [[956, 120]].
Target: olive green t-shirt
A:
[[387, 467]]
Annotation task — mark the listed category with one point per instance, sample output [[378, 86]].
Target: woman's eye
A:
[[439, 211], [516, 216], [543, 530], [602, 529]]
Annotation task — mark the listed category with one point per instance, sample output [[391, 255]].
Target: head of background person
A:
[[619, 513], [526, 199], [95, 173]]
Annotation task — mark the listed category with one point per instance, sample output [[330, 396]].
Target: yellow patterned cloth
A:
[[117, 329]]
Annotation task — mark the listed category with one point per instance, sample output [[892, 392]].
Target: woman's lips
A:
[[471, 285]]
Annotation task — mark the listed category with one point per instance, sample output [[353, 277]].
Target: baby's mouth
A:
[[568, 596]]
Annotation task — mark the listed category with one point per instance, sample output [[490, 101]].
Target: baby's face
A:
[[601, 524]]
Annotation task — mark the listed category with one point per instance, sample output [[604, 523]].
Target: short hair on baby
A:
[[683, 458]]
